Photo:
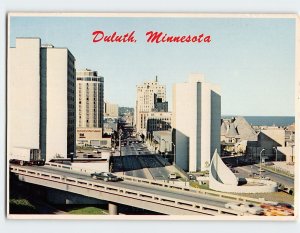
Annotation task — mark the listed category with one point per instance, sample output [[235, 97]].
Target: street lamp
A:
[[276, 153], [260, 162], [174, 152], [120, 135]]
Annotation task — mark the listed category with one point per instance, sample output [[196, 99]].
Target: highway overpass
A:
[[157, 196]]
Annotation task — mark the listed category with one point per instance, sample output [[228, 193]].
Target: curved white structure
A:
[[221, 178]]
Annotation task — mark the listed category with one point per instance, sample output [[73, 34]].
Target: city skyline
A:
[[244, 66]]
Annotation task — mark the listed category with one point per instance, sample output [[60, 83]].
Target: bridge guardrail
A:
[[172, 186], [144, 196]]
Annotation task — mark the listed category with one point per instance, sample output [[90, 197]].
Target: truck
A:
[[26, 156]]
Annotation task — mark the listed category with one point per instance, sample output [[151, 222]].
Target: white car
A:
[[172, 176], [245, 208]]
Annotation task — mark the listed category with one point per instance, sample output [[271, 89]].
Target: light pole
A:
[[260, 162], [276, 153], [174, 152], [120, 135]]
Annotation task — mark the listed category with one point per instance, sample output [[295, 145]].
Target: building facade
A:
[[92, 137], [158, 121], [111, 110], [41, 98], [196, 123], [147, 95], [89, 99]]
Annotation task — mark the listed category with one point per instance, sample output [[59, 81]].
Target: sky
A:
[[251, 59]]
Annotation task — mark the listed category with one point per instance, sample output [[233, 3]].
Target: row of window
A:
[[97, 79]]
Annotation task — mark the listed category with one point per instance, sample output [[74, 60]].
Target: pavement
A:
[[138, 161], [244, 171]]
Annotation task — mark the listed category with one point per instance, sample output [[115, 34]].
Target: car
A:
[[269, 163], [261, 170], [172, 176], [254, 175], [234, 170], [265, 178], [279, 209], [106, 176], [192, 177], [245, 208], [88, 155], [96, 151], [285, 205]]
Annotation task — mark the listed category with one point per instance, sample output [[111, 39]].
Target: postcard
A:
[[155, 116]]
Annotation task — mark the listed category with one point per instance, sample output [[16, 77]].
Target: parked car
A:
[[245, 208], [106, 176], [172, 176], [279, 209]]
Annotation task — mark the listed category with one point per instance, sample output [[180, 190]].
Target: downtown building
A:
[[151, 97], [196, 123], [89, 108], [111, 110], [41, 98]]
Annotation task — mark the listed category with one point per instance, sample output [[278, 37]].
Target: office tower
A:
[[147, 95], [89, 99], [41, 98], [196, 121]]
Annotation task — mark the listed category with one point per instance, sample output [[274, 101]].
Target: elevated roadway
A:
[[154, 196]]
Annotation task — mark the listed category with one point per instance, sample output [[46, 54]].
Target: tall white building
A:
[[89, 99], [41, 98], [147, 95], [196, 121]]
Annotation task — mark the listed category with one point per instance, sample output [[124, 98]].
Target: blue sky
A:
[[251, 59]]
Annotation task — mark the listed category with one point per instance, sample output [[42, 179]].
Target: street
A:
[[245, 171], [136, 160]]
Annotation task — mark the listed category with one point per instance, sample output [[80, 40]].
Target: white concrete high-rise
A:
[[196, 121], [89, 99], [41, 98], [147, 95]]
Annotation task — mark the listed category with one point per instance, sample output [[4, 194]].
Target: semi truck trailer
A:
[[26, 156]]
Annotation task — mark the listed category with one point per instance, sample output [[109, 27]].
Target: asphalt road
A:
[[187, 196], [155, 167], [246, 170]]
